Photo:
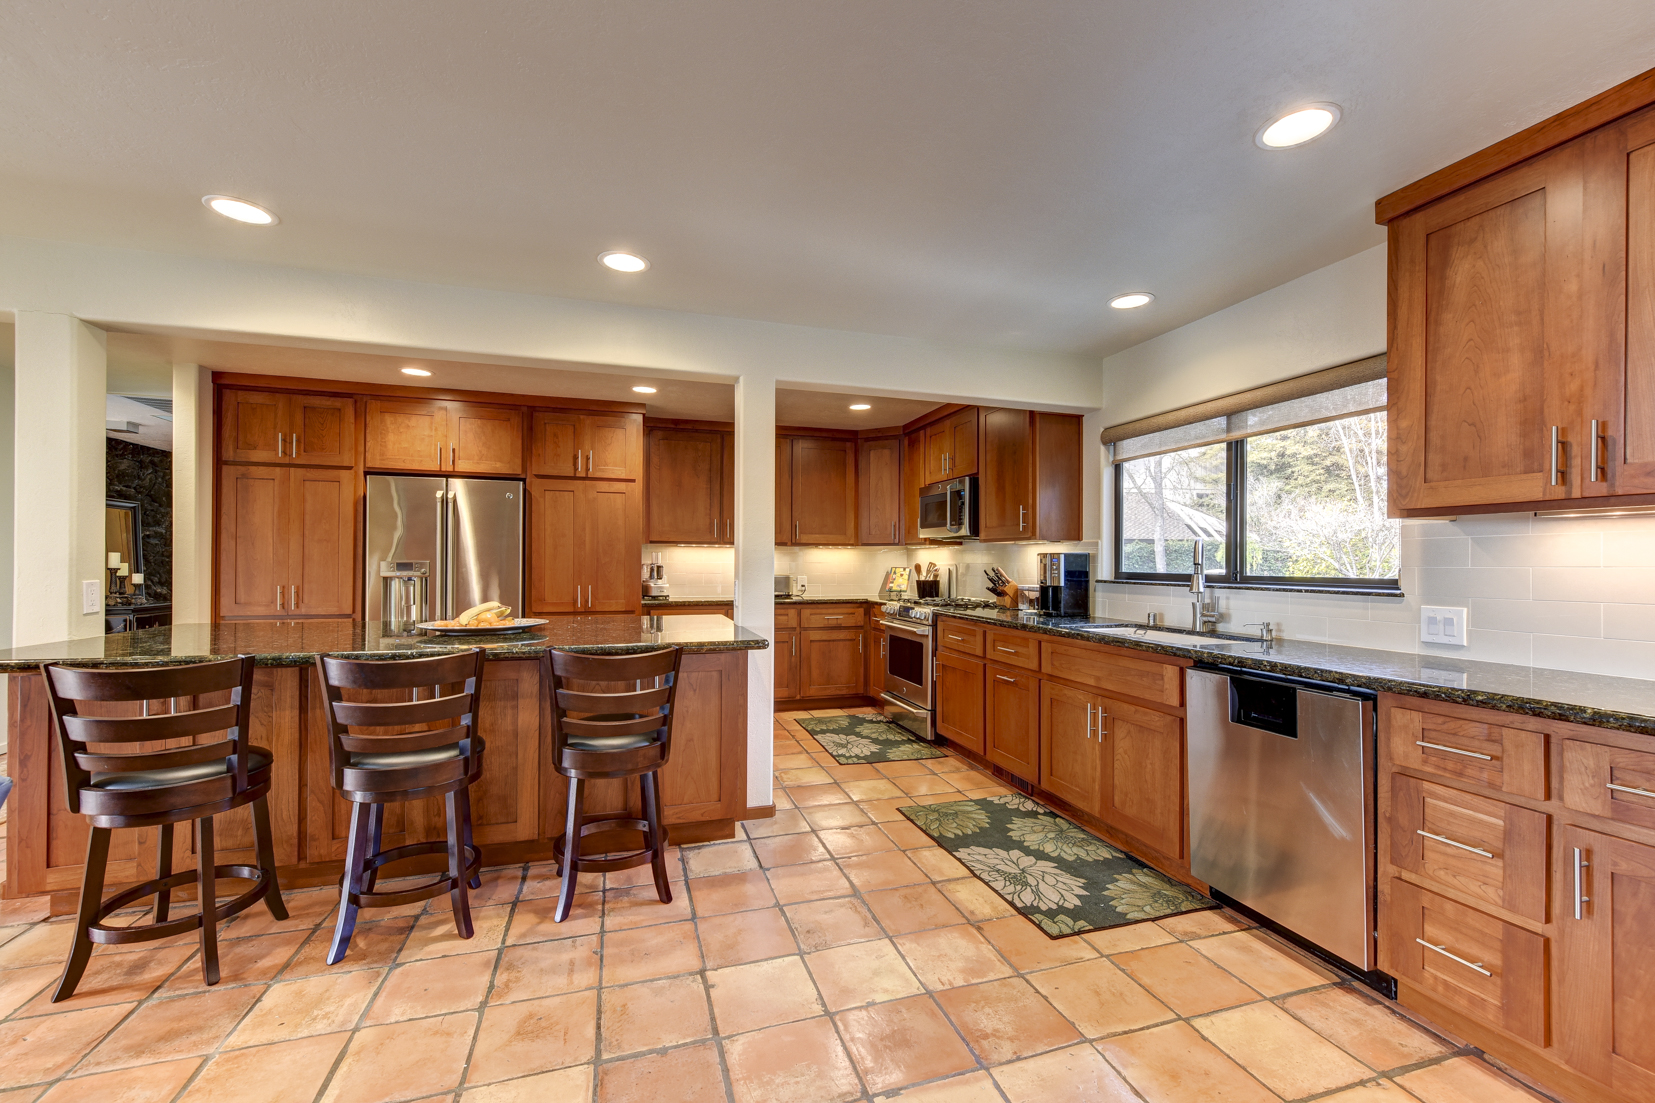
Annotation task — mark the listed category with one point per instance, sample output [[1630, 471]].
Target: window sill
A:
[[1268, 587]]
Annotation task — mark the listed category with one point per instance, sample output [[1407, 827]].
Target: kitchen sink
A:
[[1160, 635]]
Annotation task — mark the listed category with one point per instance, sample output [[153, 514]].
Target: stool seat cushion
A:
[[609, 742], [402, 760], [257, 759]]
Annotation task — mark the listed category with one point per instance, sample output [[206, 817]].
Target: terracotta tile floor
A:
[[831, 954]]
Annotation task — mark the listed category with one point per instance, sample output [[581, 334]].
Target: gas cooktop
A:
[[923, 608]]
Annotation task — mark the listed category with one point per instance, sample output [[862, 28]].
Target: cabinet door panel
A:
[[251, 424], [1144, 774], [613, 530], [406, 435], [485, 440], [1006, 508], [556, 548], [555, 437], [1625, 171], [1485, 334], [830, 662], [913, 478], [1012, 714], [787, 664], [1071, 753], [253, 540], [322, 556], [786, 526], [938, 441], [322, 429], [704, 778], [1617, 783], [824, 491], [685, 487], [876, 662], [879, 489], [962, 447], [614, 445], [959, 700]]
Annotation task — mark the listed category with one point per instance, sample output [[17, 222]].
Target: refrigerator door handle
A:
[[450, 533], [439, 587]]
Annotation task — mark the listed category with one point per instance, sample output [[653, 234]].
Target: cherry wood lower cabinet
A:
[[831, 662], [586, 539], [517, 808], [286, 542], [1143, 790], [959, 702], [1071, 754], [1012, 714], [786, 664]]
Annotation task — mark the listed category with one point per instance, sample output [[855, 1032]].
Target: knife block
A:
[[1008, 600]]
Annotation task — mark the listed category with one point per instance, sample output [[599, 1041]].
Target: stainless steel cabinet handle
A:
[[293, 598], [1003, 678], [453, 458], [795, 532], [893, 532], [1088, 720], [590, 466], [278, 597], [589, 597], [279, 439], [859, 645], [439, 455], [1475, 966], [1007, 650], [1102, 716], [728, 535], [577, 461], [1580, 883], [1592, 465], [1555, 472], [1451, 842], [1021, 510], [1453, 750], [832, 618], [1629, 789], [882, 647], [293, 446], [795, 643]]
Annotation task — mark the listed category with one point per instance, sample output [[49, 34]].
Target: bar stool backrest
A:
[[90, 743], [414, 717], [613, 695]]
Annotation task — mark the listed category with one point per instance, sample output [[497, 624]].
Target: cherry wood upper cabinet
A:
[[951, 446], [253, 544], [815, 490], [879, 489], [1029, 476], [913, 479], [686, 500], [484, 440], [570, 444], [784, 491], [406, 434], [274, 427], [321, 526]]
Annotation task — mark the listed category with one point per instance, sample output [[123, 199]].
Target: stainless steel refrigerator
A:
[[436, 547]]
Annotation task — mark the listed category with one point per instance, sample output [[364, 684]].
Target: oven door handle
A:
[[905, 628]]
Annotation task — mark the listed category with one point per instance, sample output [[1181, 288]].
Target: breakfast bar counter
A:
[[517, 808]]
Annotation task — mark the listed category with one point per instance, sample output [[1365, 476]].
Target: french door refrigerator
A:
[[436, 547]]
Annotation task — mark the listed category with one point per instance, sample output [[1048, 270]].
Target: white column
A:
[[756, 565], [58, 500], [192, 494]]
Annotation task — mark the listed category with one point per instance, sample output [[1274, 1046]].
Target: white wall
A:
[[1565, 593]]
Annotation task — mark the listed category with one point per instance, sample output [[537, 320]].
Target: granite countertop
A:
[[297, 643], [1627, 704], [729, 599]]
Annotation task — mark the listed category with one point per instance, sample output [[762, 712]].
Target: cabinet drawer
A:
[[1480, 847], [1490, 970], [1617, 783], [1014, 649], [832, 616], [787, 616], [1511, 760], [967, 639], [1162, 683]]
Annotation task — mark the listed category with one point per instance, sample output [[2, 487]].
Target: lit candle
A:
[[114, 560]]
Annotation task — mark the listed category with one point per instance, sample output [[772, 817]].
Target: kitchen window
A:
[[1286, 493]]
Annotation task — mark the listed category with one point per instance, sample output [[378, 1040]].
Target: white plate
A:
[[521, 624]]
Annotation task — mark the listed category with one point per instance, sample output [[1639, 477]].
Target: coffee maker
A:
[[1065, 583]]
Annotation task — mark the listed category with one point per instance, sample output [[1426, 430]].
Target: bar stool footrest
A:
[[437, 887], [609, 865], [148, 932]]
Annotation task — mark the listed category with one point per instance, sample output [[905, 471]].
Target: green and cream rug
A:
[[853, 740], [1057, 874]]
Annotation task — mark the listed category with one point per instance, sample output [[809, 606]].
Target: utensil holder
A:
[[928, 587]]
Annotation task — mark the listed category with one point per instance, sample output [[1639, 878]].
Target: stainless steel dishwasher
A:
[[1281, 793]]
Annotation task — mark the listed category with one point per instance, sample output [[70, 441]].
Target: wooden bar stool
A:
[[157, 785], [611, 718], [416, 761]]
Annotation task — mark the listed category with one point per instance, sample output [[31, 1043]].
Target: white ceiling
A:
[[969, 170]]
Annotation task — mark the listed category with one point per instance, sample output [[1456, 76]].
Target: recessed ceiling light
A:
[[1298, 126], [415, 371], [861, 406], [624, 262], [1132, 300], [240, 210], [644, 390]]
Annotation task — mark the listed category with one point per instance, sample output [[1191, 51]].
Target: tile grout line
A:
[[493, 979]]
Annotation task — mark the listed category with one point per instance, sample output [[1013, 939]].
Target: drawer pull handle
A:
[[1629, 789], [1451, 842], [1003, 678], [1453, 750], [1475, 966], [1007, 650]]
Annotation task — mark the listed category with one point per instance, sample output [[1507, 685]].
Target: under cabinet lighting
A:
[[624, 262], [240, 210], [415, 371], [644, 390], [1298, 126], [1132, 300], [861, 406], [1606, 511]]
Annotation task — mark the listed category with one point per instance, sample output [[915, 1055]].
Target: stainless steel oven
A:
[[907, 696], [948, 511]]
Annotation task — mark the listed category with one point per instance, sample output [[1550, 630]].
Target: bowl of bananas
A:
[[488, 619]]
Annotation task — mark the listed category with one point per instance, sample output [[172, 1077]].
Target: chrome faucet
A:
[[1203, 613]]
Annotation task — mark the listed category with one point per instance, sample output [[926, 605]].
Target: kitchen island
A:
[[517, 808]]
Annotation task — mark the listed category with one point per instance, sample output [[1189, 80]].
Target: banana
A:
[[470, 615]]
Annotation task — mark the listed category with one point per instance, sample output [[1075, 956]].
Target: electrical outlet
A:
[[1442, 624], [91, 597], [804, 583]]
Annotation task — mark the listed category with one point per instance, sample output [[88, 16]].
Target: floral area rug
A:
[[852, 740], [1064, 878]]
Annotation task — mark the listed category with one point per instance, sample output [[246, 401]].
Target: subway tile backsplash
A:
[[1575, 593]]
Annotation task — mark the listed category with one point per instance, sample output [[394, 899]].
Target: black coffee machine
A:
[[1065, 583]]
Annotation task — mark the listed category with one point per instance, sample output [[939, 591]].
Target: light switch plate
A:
[[1442, 624], [91, 597]]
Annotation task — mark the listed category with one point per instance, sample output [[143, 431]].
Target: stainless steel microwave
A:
[[948, 511]]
